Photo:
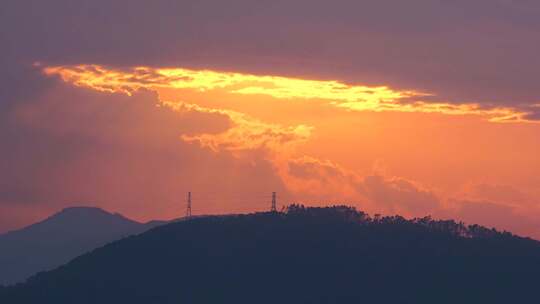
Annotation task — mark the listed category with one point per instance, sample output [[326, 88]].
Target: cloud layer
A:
[[464, 52], [350, 97]]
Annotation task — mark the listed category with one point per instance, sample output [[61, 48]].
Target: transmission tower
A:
[[188, 210], [274, 203]]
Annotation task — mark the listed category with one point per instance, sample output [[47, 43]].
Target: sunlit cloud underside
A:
[[338, 94]]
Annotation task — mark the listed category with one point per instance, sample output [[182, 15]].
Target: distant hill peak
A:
[[83, 210], [86, 211], [59, 238], [87, 220]]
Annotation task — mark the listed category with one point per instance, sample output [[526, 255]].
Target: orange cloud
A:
[[496, 114], [245, 132], [319, 179], [349, 97], [376, 193]]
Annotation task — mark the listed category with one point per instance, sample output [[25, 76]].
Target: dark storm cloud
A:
[[463, 51]]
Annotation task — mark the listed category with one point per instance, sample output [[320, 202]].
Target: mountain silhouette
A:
[[302, 255], [60, 238]]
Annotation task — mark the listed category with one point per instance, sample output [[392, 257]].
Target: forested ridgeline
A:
[[301, 255]]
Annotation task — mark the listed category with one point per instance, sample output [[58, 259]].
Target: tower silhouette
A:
[[188, 210], [274, 203]]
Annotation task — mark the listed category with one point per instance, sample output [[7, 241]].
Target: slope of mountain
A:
[[60, 238], [305, 255]]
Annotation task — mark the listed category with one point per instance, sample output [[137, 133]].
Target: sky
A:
[[395, 107]]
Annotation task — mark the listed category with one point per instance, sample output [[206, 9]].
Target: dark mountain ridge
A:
[[60, 238], [303, 255]]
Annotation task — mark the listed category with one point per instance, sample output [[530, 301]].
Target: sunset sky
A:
[[418, 107]]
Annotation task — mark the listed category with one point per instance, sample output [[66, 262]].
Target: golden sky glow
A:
[[389, 150], [338, 94], [388, 117]]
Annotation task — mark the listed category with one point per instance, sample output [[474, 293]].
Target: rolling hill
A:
[[303, 255], [60, 238]]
